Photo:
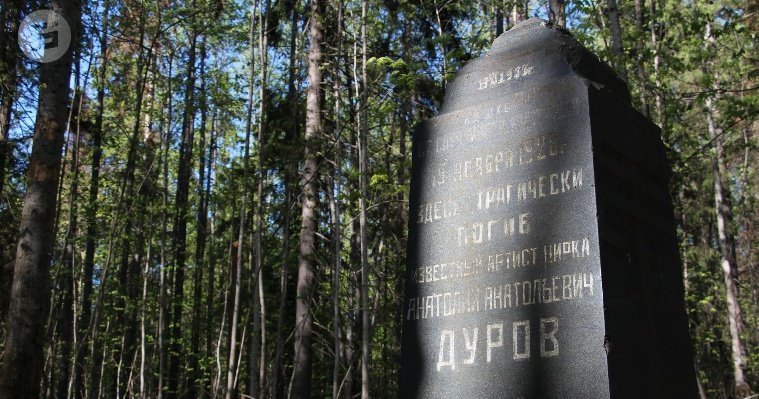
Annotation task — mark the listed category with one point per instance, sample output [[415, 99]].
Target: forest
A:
[[209, 198]]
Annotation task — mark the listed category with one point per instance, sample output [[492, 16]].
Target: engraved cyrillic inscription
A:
[[503, 261], [487, 198], [511, 339], [510, 294], [438, 210], [491, 163], [481, 232]]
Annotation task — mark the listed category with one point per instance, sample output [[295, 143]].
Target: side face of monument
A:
[[506, 292], [646, 324]]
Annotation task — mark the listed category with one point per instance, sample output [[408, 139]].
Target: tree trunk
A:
[[91, 215], [517, 15], [226, 317], [406, 120], [10, 16], [728, 262], [66, 321], [335, 208], [230, 299], [237, 275], [301, 387], [200, 239], [274, 388], [8, 82], [498, 21], [616, 38], [258, 343], [210, 284], [443, 47], [363, 175], [232, 360], [639, 69], [147, 192], [290, 135], [22, 358], [144, 321], [556, 12], [353, 325], [661, 116], [724, 213], [180, 224], [163, 307]]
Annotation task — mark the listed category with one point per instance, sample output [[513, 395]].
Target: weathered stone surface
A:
[[543, 259]]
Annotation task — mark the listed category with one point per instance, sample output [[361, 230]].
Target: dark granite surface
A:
[[542, 256]]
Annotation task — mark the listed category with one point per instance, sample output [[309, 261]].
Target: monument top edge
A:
[[524, 28], [534, 41]]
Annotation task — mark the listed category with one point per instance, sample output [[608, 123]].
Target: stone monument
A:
[[543, 258]]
